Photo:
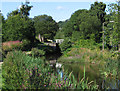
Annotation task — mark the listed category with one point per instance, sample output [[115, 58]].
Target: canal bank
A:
[[93, 72]]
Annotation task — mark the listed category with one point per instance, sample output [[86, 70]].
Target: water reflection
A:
[[93, 74], [111, 83]]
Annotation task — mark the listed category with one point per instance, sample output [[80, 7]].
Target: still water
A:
[[92, 72]]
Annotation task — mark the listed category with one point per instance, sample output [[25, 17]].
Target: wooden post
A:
[[103, 37]]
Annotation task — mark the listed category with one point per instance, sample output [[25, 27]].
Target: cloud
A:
[[59, 7]]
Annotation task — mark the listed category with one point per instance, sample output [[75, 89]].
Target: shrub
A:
[[91, 44], [22, 71], [76, 36], [9, 46], [65, 45], [37, 52], [26, 45], [59, 35]]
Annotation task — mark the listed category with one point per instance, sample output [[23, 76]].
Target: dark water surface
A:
[[92, 72]]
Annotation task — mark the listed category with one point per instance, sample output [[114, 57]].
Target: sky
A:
[[59, 10]]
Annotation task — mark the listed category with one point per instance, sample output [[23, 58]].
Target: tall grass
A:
[[87, 51], [23, 72], [86, 55], [0, 76]]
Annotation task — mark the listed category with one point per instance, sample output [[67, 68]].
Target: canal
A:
[[92, 72]]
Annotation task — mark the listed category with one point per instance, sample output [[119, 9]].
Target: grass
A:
[[86, 55], [0, 76], [35, 74]]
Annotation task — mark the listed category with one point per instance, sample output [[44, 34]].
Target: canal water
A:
[[92, 72]]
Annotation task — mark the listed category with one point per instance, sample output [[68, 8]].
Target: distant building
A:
[[59, 41]]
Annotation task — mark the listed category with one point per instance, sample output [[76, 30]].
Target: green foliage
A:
[[91, 44], [65, 45], [21, 72], [45, 26], [98, 8], [69, 81], [62, 23], [76, 36], [68, 29], [37, 52], [86, 51], [112, 28], [11, 47], [46, 48], [26, 45], [0, 76], [83, 24], [23, 11], [111, 67], [59, 35], [17, 28]]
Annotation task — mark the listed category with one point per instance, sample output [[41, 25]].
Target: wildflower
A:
[[59, 85], [49, 83], [23, 85], [27, 70], [51, 74], [30, 74], [36, 68]]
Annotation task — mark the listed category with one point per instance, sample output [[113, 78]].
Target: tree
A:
[[2, 26], [83, 25], [112, 30], [45, 26], [18, 28], [18, 25], [13, 13], [68, 29], [23, 10], [99, 10], [59, 35]]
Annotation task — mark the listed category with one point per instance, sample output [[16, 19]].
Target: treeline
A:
[[18, 26], [83, 24], [88, 24]]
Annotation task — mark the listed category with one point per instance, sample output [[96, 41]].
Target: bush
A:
[[59, 35], [76, 36], [37, 52], [65, 45], [10, 46], [26, 45], [20, 71], [91, 44]]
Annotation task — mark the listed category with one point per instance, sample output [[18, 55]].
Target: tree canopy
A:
[[18, 26], [86, 24], [45, 26]]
